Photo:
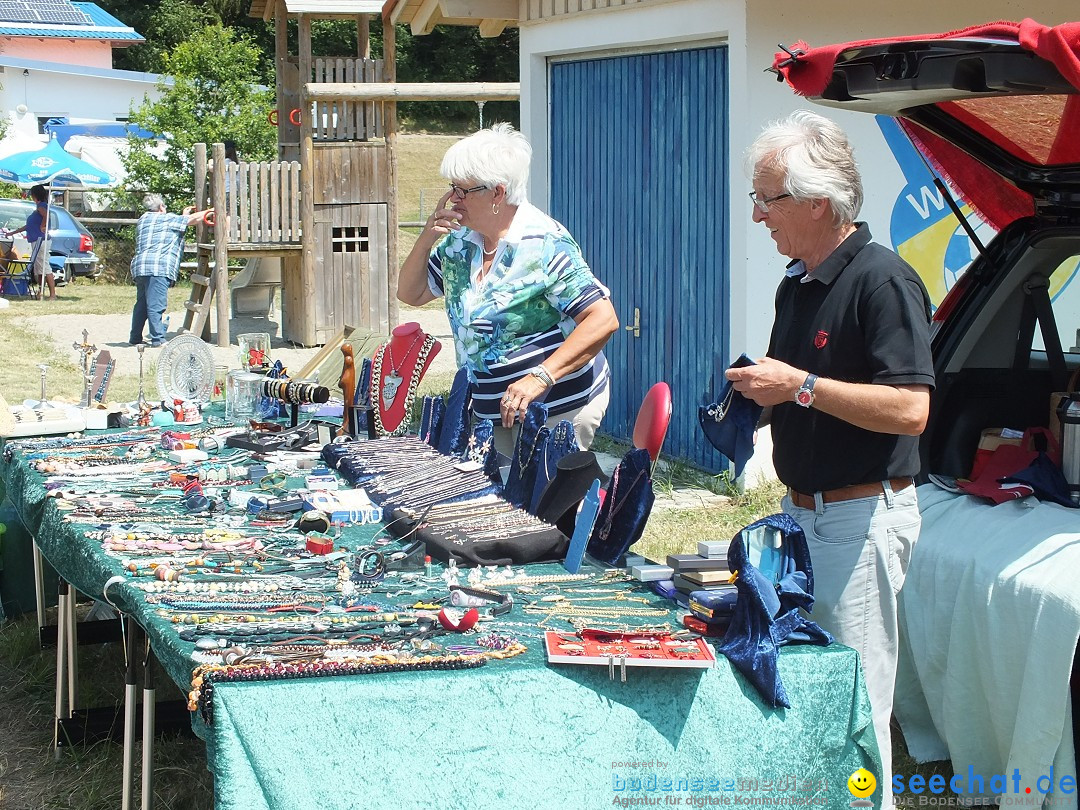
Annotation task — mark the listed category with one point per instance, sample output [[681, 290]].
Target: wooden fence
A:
[[262, 202], [343, 120]]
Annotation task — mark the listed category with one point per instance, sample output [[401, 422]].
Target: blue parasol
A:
[[52, 165]]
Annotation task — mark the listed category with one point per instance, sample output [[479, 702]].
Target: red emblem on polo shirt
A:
[[820, 339]]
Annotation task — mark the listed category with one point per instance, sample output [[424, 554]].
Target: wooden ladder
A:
[[197, 307]]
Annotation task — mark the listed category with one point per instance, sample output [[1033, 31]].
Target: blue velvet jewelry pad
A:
[[590, 506]]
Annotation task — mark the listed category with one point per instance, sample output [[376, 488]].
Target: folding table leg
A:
[[72, 638], [39, 585], [131, 695], [149, 705], [61, 707]]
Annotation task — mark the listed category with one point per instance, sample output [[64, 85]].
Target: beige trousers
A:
[[585, 420]]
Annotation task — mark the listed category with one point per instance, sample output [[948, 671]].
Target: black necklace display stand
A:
[[297, 435]]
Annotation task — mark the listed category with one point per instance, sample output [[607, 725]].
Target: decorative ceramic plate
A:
[[185, 370]]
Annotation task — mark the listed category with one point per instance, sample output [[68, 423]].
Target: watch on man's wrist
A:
[[543, 375], [805, 395]]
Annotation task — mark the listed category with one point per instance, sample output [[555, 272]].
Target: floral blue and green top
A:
[[521, 312]]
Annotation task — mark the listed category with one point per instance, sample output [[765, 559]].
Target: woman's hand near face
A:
[[518, 396], [412, 278], [443, 220]]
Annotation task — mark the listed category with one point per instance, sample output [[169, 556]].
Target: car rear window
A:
[[13, 214], [1036, 129], [1065, 298]]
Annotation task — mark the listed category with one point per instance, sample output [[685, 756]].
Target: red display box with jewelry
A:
[[630, 649]]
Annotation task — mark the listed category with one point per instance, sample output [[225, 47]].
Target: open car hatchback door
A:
[[995, 110]]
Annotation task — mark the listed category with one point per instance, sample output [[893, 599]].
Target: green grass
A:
[[22, 378], [86, 776]]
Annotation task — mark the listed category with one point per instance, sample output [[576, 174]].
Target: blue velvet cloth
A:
[[531, 439], [730, 422], [431, 418], [625, 510], [362, 397], [454, 436], [771, 595], [559, 444]]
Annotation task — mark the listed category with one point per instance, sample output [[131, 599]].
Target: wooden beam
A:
[[390, 118], [304, 321], [479, 9], [405, 91], [425, 19], [492, 27], [221, 249], [396, 11]]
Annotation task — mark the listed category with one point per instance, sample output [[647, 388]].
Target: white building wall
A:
[[751, 31], [48, 92]]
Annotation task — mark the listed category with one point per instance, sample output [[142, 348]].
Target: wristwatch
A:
[[543, 375], [805, 395]]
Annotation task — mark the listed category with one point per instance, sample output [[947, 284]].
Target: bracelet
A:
[[461, 596], [543, 375]]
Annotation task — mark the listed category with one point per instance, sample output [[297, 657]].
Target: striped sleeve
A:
[[573, 287], [434, 274]]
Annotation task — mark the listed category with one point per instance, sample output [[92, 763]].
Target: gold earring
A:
[[495, 209]]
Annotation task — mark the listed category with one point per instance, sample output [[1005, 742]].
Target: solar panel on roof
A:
[[56, 12]]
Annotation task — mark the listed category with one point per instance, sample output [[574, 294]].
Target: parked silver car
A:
[[72, 245]]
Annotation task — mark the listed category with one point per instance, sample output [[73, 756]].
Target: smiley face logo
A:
[[861, 783]]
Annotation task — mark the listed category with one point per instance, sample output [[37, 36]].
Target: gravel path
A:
[[111, 332]]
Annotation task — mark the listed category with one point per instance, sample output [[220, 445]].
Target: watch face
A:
[[805, 397]]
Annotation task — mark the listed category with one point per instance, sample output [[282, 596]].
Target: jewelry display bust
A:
[[397, 368]]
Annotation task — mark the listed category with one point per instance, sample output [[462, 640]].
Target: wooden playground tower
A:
[[327, 207]]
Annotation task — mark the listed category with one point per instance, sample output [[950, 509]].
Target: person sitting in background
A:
[[7, 253], [159, 245]]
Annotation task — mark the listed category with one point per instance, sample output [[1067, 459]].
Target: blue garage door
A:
[[639, 170]]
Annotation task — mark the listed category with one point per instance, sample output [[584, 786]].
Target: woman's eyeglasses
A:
[[461, 193]]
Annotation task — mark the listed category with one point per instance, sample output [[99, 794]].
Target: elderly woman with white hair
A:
[[529, 318]]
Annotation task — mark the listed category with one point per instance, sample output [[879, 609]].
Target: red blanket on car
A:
[[810, 72]]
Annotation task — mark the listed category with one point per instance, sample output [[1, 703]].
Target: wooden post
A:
[[281, 56], [200, 189], [390, 119], [363, 36], [221, 247], [307, 318]]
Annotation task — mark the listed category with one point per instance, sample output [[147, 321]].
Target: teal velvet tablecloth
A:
[[541, 736], [515, 733]]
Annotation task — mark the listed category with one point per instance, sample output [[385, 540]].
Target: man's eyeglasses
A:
[[762, 203], [460, 193]]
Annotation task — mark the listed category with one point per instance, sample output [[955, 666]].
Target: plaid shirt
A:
[[159, 243]]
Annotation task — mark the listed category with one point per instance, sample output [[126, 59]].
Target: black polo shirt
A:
[[862, 316]]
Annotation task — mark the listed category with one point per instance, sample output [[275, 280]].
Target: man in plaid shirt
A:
[[159, 243]]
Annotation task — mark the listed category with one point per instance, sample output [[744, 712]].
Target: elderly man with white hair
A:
[[159, 246], [846, 385]]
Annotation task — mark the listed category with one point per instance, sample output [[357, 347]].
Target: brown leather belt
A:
[[850, 493]]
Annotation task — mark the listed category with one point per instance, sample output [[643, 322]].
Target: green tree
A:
[[214, 97]]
